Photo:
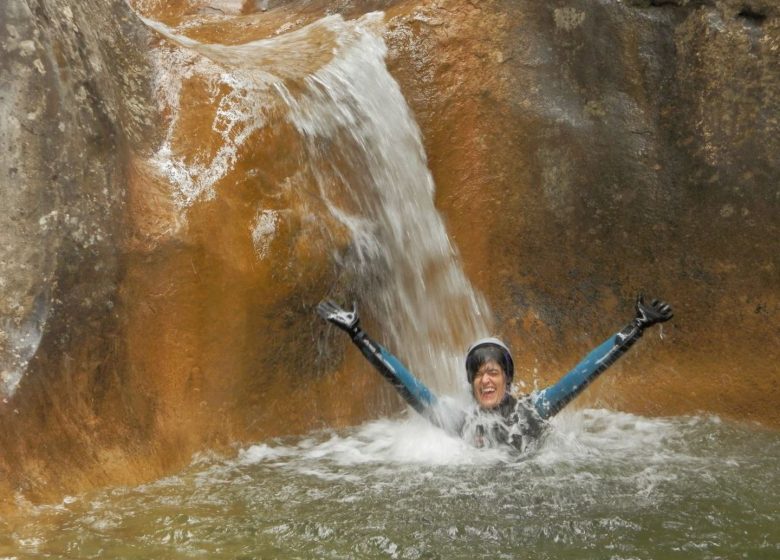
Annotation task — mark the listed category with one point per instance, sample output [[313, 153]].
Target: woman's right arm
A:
[[408, 386]]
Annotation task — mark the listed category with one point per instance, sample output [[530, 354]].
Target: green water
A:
[[603, 485]]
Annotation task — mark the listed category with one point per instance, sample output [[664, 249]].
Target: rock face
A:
[[582, 152], [73, 100], [608, 148]]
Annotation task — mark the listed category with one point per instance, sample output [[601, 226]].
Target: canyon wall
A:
[[588, 151], [581, 151]]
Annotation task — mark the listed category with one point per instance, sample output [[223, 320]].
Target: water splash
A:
[[385, 442], [603, 484]]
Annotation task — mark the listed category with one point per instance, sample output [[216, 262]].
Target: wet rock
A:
[[129, 323], [582, 152], [75, 99], [607, 152]]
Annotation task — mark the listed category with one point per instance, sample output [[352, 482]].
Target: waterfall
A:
[[363, 151]]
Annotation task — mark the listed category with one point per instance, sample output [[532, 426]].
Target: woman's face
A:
[[489, 385]]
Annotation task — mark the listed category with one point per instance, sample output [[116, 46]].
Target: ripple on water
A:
[[602, 485]]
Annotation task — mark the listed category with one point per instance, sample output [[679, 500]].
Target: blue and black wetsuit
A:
[[515, 421]]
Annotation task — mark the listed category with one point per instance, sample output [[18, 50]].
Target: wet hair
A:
[[482, 354]]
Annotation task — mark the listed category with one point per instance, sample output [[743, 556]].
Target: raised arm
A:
[[408, 386], [551, 400]]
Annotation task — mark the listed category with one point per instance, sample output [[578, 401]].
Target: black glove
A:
[[656, 312], [348, 321]]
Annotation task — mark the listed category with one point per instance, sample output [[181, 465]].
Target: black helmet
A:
[[491, 348]]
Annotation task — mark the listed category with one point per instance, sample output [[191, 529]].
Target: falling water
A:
[[360, 133], [363, 151], [601, 485]]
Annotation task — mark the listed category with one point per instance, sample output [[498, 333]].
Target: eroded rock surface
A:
[[73, 99], [585, 152], [582, 152]]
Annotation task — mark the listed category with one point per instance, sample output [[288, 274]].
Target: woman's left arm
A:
[[548, 402]]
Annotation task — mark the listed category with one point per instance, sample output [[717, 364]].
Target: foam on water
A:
[[602, 484], [585, 436], [411, 441]]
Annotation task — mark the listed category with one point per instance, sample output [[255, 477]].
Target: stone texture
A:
[[606, 148], [583, 151], [154, 328], [73, 101]]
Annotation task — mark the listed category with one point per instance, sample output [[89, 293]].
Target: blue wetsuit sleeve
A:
[[408, 386], [415, 388], [548, 402]]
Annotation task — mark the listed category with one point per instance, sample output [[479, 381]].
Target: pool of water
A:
[[601, 485]]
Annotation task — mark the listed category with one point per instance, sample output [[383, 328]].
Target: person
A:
[[499, 418]]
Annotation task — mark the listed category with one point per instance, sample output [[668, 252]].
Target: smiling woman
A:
[[490, 370], [489, 385]]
